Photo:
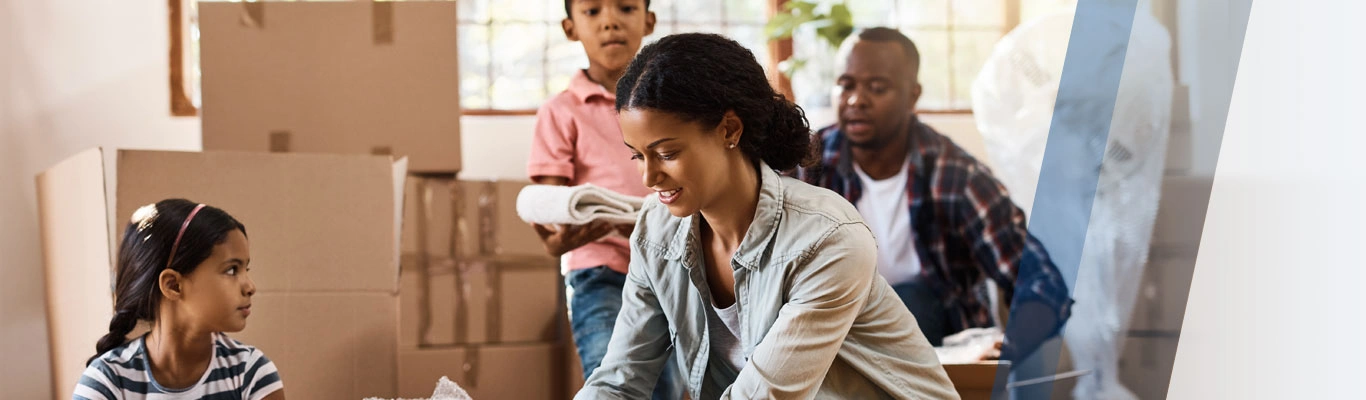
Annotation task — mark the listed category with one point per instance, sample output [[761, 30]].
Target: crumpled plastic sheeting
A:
[[1013, 101], [445, 390]]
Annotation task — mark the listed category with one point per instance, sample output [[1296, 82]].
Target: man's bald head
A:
[[885, 35]]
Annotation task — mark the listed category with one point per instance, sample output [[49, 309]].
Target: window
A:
[[511, 59], [954, 37], [513, 54]]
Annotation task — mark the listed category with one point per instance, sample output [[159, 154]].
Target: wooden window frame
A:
[[181, 105]]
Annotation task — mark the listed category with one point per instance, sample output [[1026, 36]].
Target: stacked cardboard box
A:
[[324, 243], [1150, 350], [333, 77], [481, 303]]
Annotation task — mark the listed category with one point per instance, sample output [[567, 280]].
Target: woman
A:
[[763, 286]]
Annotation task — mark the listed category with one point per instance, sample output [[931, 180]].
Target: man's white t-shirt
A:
[[886, 208]]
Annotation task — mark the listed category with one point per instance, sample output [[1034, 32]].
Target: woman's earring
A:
[[730, 146]]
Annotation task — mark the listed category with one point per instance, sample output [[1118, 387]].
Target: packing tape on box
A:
[[488, 218], [279, 139], [492, 269], [424, 304], [254, 15], [381, 19]]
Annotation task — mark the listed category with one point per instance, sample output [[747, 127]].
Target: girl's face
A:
[[217, 294], [686, 164]]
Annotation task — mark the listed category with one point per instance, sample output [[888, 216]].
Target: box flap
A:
[[75, 244], [315, 222], [314, 77], [328, 345]]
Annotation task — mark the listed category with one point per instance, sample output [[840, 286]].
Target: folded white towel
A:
[[576, 205]]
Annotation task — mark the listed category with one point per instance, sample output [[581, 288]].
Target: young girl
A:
[[182, 266], [762, 286]]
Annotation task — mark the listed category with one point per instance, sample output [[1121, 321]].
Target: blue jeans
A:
[[927, 308], [593, 313]]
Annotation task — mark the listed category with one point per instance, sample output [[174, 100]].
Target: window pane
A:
[[554, 10], [922, 13], [520, 10], [752, 37], [664, 11], [971, 50], [747, 11], [474, 10], [565, 59], [661, 30], [934, 68], [518, 65], [979, 14], [1032, 9], [699, 11], [873, 12], [474, 66]]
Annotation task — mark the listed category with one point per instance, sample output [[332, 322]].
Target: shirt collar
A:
[[768, 211], [585, 89]]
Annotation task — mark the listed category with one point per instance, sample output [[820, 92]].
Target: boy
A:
[[578, 141]]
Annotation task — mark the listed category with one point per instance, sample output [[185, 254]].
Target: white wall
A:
[[1204, 60], [76, 74]]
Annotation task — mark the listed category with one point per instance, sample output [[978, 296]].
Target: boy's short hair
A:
[[569, 13]]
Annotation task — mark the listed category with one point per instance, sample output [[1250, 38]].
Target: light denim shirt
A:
[[816, 319]]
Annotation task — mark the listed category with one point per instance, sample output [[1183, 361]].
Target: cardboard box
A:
[[333, 77], [1145, 366], [1181, 211], [525, 371], [487, 226], [977, 381], [480, 301], [1162, 294], [328, 345], [324, 236]]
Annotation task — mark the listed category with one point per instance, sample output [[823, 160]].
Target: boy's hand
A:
[[626, 229], [569, 237]]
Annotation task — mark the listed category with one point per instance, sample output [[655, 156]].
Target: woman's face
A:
[[686, 164]]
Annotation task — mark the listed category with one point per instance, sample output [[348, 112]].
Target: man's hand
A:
[[562, 239], [991, 353]]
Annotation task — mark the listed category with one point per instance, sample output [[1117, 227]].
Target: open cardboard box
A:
[[324, 242], [333, 77]]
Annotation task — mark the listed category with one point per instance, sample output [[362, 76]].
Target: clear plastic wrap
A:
[[1013, 102]]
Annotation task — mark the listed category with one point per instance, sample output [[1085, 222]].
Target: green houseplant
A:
[[817, 28]]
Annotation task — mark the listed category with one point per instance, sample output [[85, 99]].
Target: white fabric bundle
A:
[[967, 346], [576, 205]]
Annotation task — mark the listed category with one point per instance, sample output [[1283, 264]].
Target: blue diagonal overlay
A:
[[1076, 146], [1082, 113]]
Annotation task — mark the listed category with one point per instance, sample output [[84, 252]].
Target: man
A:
[[944, 225]]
